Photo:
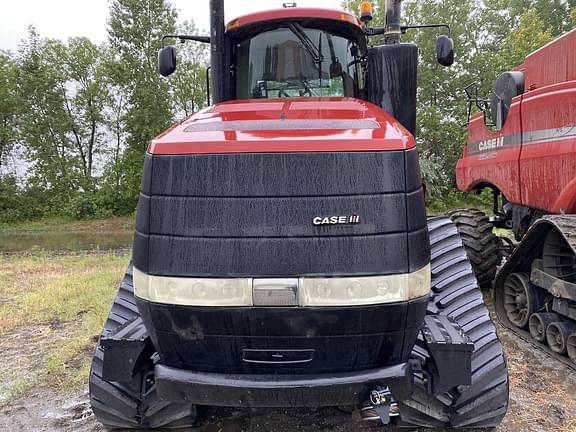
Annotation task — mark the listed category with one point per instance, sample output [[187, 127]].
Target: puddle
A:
[[14, 242]]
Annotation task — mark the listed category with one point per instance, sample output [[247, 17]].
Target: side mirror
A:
[[167, 61], [445, 50]]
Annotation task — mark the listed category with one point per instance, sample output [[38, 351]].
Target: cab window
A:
[[296, 61]]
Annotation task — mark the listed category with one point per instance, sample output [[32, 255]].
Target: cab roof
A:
[[292, 13], [338, 22]]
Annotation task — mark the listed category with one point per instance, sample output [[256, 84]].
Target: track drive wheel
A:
[[481, 244], [521, 299], [455, 293], [133, 404]]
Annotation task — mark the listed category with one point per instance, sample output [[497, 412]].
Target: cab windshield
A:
[[296, 61]]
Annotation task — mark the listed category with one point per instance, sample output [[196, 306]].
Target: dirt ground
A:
[[542, 398]]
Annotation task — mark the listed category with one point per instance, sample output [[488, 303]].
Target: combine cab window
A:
[[296, 62]]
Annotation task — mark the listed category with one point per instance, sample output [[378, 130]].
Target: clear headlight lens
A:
[[193, 291], [310, 291], [348, 291]]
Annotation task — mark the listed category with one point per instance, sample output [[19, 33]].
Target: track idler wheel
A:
[[521, 299], [538, 324], [557, 335], [571, 347]]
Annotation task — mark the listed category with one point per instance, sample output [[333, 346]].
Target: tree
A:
[[530, 35], [115, 118], [188, 84], [85, 98], [8, 106], [135, 33], [62, 96]]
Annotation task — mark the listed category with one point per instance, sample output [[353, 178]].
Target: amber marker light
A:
[[233, 25], [365, 11]]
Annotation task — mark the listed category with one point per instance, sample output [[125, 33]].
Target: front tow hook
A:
[[381, 406]]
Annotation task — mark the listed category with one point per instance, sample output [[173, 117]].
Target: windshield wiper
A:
[[300, 33]]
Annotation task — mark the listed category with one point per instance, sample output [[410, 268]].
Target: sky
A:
[[67, 18]]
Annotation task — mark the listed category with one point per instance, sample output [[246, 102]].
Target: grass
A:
[[20, 387], [63, 299], [501, 232], [61, 224]]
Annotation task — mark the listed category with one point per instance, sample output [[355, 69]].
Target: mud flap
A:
[[451, 353], [125, 350]]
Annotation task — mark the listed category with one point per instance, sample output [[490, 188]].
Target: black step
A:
[[451, 349]]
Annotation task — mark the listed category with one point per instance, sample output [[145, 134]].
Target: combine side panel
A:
[[548, 157], [535, 291], [491, 157]]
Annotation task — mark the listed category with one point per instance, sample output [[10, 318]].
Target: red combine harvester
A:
[[282, 255], [527, 156]]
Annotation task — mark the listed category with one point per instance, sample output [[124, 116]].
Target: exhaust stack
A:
[[217, 50], [392, 29]]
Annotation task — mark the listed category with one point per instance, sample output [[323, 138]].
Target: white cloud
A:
[[67, 18]]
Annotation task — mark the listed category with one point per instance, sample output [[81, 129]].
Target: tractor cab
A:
[[285, 54], [310, 52]]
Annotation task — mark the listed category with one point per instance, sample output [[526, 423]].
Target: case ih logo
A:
[[336, 220], [491, 144]]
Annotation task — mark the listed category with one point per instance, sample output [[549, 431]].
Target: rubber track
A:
[[455, 293], [480, 242], [122, 405], [521, 261]]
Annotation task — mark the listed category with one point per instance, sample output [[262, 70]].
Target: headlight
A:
[[349, 291], [193, 291], [305, 291]]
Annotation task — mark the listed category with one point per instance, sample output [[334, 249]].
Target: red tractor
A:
[[282, 255], [527, 156]]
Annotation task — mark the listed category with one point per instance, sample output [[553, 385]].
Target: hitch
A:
[[381, 407]]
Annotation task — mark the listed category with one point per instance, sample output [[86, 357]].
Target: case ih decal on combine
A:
[[282, 255], [532, 166]]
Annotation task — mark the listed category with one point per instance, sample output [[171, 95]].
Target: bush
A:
[[18, 205], [85, 205], [438, 182]]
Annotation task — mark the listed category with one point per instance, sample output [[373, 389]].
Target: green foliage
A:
[[188, 83], [87, 206], [17, 203], [85, 113], [8, 105], [434, 175], [135, 32], [62, 98], [437, 205], [530, 35]]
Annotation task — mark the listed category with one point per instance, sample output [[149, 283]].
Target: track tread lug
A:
[[456, 294], [123, 405]]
